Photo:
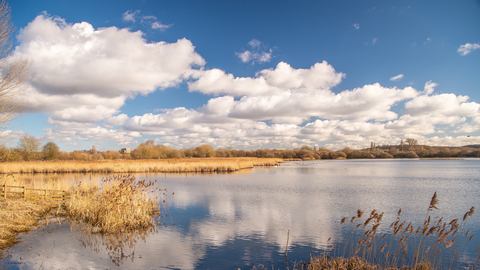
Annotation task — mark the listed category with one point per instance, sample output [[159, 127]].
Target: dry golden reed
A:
[[435, 244], [121, 204], [138, 166], [19, 215]]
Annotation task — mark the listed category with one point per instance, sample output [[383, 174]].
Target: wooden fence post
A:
[[24, 192], [45, 195], [5, 190]]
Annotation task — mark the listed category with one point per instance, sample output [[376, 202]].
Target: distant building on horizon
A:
[[125, 150]]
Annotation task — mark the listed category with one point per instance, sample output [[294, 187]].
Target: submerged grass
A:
[[136, 166], [121, 204]]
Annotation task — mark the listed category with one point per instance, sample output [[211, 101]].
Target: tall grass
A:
[[436, 244], [121, 204], [136, 166]]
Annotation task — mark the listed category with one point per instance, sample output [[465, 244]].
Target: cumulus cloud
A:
[[94, 61], [258, 54], [356, 25], [396, 78], [446, 105], [468, 48], [95, 71], [269, 81], [283, 106]]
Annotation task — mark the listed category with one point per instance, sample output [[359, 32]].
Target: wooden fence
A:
[[34, 194]]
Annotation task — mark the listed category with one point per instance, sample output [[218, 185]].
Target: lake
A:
[[242, 220]]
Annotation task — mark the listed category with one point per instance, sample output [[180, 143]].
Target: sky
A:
[[248, 74]]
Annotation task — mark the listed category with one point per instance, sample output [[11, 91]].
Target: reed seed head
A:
[[433, 202]]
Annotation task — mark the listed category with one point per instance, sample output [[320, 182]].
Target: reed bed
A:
[[436, 244], [198, 165], [121, 204]]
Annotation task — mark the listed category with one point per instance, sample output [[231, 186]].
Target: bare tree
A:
[[29, 145], [13, 71]]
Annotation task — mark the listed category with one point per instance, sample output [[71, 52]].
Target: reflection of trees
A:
[[119, 246]]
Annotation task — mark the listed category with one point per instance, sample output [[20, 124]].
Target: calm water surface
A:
[[231, 221]]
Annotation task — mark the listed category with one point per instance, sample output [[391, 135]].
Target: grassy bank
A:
[[18, 215], [137, 166]]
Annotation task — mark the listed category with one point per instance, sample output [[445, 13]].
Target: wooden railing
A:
[[33, 194]]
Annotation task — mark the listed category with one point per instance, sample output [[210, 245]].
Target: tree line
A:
[[29, 148]]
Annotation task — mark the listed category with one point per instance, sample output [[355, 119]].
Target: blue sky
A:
[[249, 74]]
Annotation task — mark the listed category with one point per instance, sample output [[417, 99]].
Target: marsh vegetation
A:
[[121, 204], [437, 244]]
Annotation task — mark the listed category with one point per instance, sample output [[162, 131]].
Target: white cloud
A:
[[151, 20], [467, 128], [468, 48], [94, 75], [259, 54], [356, 25], [37, 102], [117, 120], [129, 16], [90, 61], [442, 105], [396, 78], [429, 40], [429, 87], [374, 41], [160, 26], [245, 56], [268, 81], [255, 44]]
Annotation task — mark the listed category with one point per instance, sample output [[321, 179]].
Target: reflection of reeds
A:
[[131, 166], [122, 204], [119, 246], [435, 244]]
